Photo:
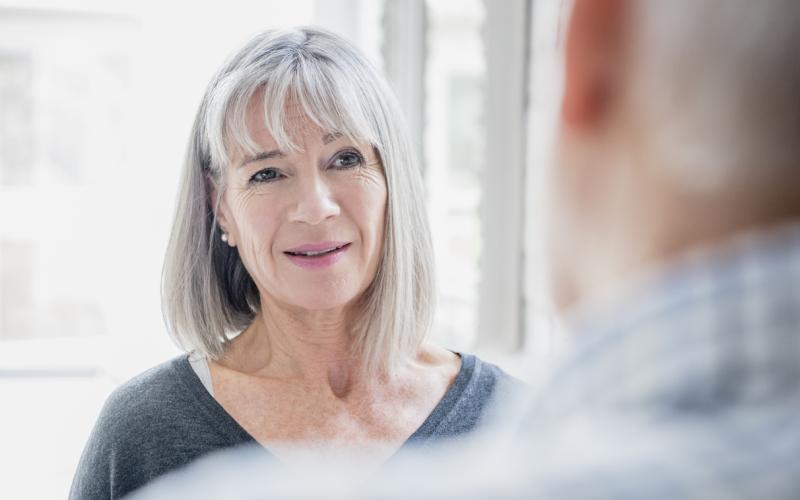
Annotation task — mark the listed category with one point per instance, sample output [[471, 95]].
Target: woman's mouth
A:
[[317, 255]]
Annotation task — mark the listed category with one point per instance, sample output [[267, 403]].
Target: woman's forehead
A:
[[295, 121]]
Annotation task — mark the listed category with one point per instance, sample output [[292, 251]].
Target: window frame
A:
[[506, 32]]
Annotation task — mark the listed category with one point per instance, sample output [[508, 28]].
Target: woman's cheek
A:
[[256, 231]]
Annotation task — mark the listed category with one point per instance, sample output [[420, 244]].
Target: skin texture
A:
[[291, 377]]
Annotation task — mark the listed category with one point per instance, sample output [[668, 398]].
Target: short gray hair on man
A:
[[718, 81], [208, 296]]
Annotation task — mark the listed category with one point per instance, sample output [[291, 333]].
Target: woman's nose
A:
[[314, 203]]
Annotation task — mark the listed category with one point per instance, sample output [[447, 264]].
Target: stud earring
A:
[[224, 237]]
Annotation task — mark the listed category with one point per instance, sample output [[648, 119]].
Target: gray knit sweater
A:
[[165, 418]]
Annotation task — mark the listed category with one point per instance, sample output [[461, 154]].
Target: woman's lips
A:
[[317, 255]]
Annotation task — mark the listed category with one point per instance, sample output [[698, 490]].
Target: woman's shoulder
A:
[[487, 381], [487, 394], [144, 409], [149, 391], [129, 427], [157, 421], [480, 394], [470, 376]]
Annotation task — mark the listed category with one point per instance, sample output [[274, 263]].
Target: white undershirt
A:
[[200, 366]]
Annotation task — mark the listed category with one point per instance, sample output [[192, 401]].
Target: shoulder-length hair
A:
[[208, 296]]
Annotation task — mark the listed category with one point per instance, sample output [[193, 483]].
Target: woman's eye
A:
[[347, 159], [265, 175]]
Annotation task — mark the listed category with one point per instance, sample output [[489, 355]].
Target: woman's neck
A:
[[315, 347]]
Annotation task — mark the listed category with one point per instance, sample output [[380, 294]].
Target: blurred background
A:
[[96, 102]]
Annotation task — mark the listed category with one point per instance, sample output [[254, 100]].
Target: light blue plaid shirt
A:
[[691, 390]]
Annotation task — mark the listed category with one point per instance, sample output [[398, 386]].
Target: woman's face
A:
[[308, 225]]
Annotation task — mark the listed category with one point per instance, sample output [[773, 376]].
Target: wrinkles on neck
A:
[[311, 347]]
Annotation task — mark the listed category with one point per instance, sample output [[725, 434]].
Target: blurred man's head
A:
[[680, 125]]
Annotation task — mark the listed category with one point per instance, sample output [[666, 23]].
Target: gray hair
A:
[[208, 296], [719, 80]]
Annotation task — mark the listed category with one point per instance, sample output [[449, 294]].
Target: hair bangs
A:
[[333, 105], [316, 85]]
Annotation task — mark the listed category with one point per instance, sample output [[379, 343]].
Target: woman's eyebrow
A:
[[275, 153], [266, 155], [328, 138]]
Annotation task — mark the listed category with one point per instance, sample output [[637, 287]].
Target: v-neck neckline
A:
[[238, 435]]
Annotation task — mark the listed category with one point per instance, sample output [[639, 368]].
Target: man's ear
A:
[[221, 211], [593, 52]]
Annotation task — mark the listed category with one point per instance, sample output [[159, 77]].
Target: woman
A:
[[299, 279]]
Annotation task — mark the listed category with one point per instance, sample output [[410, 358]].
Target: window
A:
[[63, 127], [460, 70], [454, 151]]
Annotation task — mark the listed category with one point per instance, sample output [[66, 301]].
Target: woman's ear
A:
[[221, 211]]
